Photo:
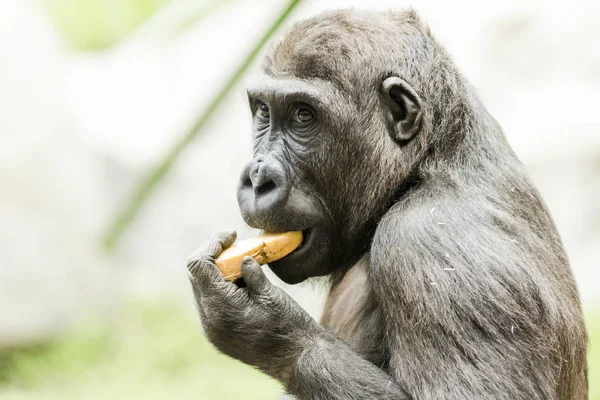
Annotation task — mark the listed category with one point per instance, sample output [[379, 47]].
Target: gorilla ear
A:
[[404, 107]]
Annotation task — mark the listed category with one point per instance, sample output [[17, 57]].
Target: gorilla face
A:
[[277, 190], [318, 167]]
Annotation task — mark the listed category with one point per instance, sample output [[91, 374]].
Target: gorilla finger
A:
[[195, 261], [212, 247], [198, 300], [219, 241], [254, 277], [206, 275]]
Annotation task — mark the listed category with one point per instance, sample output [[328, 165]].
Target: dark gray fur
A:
[[448, 277]]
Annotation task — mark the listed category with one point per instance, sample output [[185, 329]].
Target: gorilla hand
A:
[[259, 324]]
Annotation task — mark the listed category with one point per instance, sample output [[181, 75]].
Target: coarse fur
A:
[[448, 277]]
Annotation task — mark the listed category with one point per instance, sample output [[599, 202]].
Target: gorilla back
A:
[[448, 277]]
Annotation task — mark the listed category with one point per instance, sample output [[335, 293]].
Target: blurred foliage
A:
[[68, 356], [152, 350], [156, 351], [98, 24]]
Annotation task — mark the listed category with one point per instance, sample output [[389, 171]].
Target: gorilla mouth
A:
[[309, 259], [301, 251]]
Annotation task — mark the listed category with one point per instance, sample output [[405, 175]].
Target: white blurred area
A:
[[78, 129]]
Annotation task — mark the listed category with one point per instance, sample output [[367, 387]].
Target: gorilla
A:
[[447, 276]]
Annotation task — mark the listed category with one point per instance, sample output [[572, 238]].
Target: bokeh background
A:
[[112, 171]]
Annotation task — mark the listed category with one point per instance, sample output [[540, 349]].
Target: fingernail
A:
[[248, 260]]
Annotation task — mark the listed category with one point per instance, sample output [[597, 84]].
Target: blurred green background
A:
[[153, 347], [156, 350], [98, 24], [151, 350]]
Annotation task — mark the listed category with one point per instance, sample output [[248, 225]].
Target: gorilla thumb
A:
[[254, 277]]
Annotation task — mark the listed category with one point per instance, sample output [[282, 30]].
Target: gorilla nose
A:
[[263, 186], [262, 178]]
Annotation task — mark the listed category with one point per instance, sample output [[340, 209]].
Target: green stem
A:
[[150, 182]]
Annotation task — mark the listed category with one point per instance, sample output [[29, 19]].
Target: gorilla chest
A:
[[352, 314]]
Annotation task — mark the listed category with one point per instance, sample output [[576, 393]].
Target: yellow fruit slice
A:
[[265, 248]]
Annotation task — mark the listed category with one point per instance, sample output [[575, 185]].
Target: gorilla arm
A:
[[329, 369], [467, 314]]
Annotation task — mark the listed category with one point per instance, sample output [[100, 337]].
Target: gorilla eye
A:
[[303, 115], [262, 110]]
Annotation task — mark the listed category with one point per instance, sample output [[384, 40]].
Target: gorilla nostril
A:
[[247, 182], [265, 188]]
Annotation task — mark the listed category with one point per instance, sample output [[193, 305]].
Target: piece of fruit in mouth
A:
[[264, 248]]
